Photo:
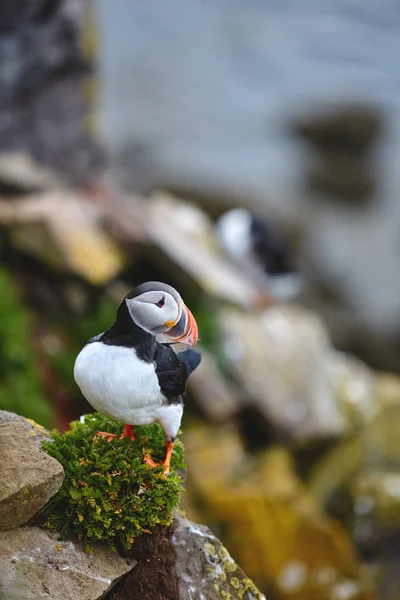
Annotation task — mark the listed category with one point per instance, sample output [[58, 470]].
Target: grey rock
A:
[[35, 564], [37, 433], [205, 569], [28, 476]]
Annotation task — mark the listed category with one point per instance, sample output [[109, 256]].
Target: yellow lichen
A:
[[230, 566], [210, 549], [235, 583], [39, 428]]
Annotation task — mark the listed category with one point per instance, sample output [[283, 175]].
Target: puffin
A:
[[126, 374], [257, 247]]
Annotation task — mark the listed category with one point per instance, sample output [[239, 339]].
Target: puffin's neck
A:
[[124, 332]]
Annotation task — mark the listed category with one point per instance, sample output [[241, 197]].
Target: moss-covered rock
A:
[[109, 494]]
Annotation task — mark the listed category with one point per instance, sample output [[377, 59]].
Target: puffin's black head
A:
[[158, 308]]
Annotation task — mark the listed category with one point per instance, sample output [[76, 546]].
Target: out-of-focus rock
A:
[[377, 495], [36, 564], [184, 233], [28, 476], [342, 176], [343, 140], [351, 128], [64, 231], [279, 359], [218, 398], [373, 443], [354, 387], [19, 174], [291, 547], [44, 89]]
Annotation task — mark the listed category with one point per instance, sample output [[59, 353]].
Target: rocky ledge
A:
[[182, 562]]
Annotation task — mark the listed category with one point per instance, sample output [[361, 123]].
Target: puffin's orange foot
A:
[[106, 436], [166, 462], [151, 462]]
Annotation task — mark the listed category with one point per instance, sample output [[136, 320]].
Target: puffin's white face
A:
[[158, 308], [155, 312]]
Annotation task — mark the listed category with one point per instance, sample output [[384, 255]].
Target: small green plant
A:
[[109, 494]]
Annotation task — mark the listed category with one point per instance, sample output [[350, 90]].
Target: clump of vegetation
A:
[[109, 494], [21, 389]]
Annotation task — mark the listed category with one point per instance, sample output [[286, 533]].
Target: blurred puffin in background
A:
[[258, 248], [128, 376]]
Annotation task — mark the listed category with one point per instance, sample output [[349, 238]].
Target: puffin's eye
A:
[[161, 302]]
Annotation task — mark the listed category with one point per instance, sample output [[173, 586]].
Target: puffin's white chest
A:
[[118, 384]]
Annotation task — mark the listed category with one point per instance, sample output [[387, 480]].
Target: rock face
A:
[[43, 107], [35, 564], [28, 476], [205, 568]]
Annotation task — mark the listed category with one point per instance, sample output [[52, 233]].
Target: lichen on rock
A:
[[109, 494], [205, 565]]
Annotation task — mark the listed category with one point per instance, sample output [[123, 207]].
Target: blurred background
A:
[[129, 132]]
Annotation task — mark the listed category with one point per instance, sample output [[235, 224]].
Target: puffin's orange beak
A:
[[185, 330]]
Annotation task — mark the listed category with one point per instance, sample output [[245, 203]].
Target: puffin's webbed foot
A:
[[106, 436], [167, 460]]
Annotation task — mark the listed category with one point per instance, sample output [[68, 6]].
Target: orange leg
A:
[[167, 460], [128, 432]]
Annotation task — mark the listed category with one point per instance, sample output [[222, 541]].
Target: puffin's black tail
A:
[[191, 358]]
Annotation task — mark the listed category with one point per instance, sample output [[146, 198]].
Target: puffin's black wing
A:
[[173, 369]]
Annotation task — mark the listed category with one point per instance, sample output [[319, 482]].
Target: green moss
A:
[[21, 389], [109, 494]]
